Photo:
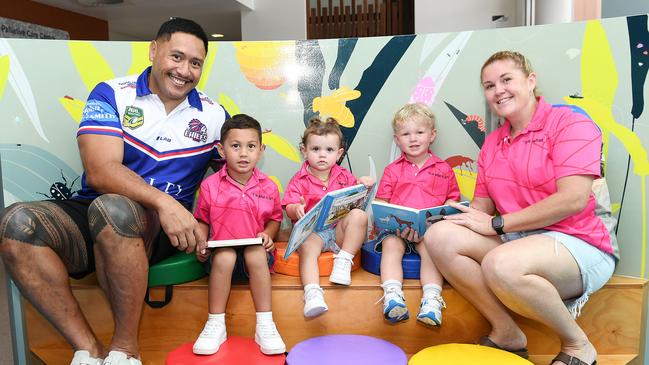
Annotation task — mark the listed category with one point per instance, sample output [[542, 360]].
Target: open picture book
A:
[[330, 209], [392, 217]]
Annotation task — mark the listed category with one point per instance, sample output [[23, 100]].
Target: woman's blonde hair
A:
[[519, 60], [411, 110], [319, 127]]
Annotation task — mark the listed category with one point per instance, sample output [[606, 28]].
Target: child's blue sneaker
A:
[[394, 306], [430, 311]]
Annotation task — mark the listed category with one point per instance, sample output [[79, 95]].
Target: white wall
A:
[[274, 20], [553, 11], [435, 16]]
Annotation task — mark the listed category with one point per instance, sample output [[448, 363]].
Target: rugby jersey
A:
[[170, 152]]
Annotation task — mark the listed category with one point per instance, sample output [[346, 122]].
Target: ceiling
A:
[[140, 19]]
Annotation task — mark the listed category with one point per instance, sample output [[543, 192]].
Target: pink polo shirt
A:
[[403, 183], [519, 172], [234, 211], [312, 189]]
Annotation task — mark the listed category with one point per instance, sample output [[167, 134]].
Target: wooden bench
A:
[[613, 319]]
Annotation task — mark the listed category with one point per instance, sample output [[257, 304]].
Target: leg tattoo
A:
[[45, 224], [125, 217]]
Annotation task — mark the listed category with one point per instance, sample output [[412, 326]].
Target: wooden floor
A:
[[612, 319]]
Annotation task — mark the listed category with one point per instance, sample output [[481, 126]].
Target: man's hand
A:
[[266, 242], [181, 227]]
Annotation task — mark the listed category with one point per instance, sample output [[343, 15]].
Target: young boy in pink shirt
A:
[[239, 201], [417, 179], [322, 147]]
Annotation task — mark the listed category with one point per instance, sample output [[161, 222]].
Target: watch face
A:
[[497, 224]]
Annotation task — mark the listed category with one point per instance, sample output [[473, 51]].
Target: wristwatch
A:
[[497, 223]]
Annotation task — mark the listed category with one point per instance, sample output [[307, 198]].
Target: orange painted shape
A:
[[291, 266]]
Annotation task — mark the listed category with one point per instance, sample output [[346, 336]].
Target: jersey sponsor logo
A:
[[99, 111], [163, 138], [166, 186], [206, 99], [133, 117], [196, 130], [127, 84]]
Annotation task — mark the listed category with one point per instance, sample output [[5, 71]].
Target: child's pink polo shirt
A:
[[519, 172], [312, 189], [234, 211], [403, 183]]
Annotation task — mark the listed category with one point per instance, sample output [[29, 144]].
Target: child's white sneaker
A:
[[82, 357], [394, 305], [341, 273], [430, 310], [120, 358], [268, 339], [211, 338], [314, 303]]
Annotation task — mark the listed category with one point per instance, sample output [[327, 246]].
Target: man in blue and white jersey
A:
[[145, 143]]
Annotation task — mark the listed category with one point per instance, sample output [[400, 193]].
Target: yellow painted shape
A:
[[229, 104], [92, 67], [464, 354], [74, 107], [603, 116], [207, 66], [615, 207], [4, 73], [139, 57], [599, 79], [282, 146], [276, 181], [466, 180], [334, 105]]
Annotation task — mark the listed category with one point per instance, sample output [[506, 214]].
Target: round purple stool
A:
[[346, 350]]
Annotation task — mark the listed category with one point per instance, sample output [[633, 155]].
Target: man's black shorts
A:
[[77, 209]]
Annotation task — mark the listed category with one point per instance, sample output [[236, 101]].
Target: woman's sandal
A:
[[486, 341], [570, 360]]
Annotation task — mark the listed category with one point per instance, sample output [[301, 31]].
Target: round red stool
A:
[[291, 266], [235, 350]]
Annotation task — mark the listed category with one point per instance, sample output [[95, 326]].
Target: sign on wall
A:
[[10, 28]]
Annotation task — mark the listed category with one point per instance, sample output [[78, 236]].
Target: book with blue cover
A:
[[392, 217], [329, 210]]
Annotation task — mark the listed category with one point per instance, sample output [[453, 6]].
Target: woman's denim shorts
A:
[[596, 266]]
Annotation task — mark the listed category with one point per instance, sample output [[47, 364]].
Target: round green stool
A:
[[464, 354], [177, 269]]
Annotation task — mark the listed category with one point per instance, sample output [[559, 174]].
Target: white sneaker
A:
[[314, 303], [210, 339], [394, 305], [120, 358], [268, 339], [82, 357], [430, 311], [341, 273]]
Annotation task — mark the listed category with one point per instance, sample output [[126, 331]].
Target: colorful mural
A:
[[599, 66]]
